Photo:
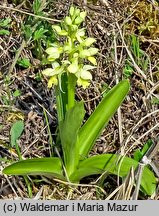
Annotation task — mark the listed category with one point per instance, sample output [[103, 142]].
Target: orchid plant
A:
[[71, 60]]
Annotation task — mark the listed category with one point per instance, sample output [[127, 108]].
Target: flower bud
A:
[[48, 72], [76, 12], [74, 27], [88, 67], [72, 10], [84, 53], [75, 55], [68, 20], [63, 33], [86, 75], [81, 32], [78, 20], [92, 60], [83, 15], [57, 28], [93, 51], [51, 50]]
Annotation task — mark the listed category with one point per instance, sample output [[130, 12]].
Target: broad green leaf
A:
[[16, 131], [100, 117], [38, 166], [114, 164], [68, 132]]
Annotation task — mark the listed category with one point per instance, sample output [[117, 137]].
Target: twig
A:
[[145, 161], [138, 177], [80, 185], [30, 14], [128, 51], [11, 185], [127, 186], [147, 132], [22, 46], [7, 107], [135, 127], [153, 89], [119, 109], [114, 192]]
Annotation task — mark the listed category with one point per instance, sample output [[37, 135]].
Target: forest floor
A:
[[127, 35]]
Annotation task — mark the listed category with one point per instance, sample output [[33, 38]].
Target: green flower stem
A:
[[71, 91], [61, 93], [18, 151], [59, 103]]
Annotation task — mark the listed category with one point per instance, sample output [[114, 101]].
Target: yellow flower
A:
[[54, 52], [89, 41], [52, 81], [83, 83], [48, 72], [92, 60], [73, 67], [85, 75]]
